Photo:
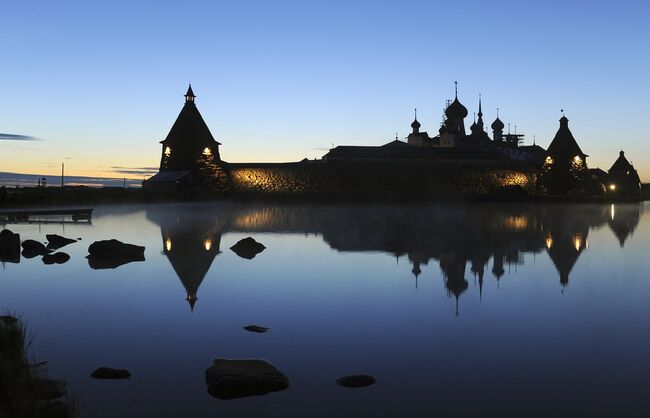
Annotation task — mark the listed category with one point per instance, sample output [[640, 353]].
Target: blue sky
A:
[[100, 83]]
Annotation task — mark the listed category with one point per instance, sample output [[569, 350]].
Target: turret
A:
[[497, 129]]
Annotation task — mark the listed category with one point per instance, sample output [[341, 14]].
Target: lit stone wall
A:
[[355, 180]]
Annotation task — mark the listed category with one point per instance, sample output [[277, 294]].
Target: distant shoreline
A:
[[11, 180]]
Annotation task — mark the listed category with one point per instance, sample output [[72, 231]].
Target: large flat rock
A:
[[113, 253], [231, 379]]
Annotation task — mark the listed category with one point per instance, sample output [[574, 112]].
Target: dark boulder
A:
[[56, 258], [110, 254], [247, 248], [55, 241], [33, 248], [110, 373], [231, 379], [9, 246], [356, 381], [256, 328]]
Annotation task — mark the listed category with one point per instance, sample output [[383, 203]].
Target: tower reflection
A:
[[451, 235], [190, 241]]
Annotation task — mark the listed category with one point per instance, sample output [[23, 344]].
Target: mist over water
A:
[[456, 309]]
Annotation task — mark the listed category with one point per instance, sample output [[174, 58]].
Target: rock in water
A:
[[9, 246], [110, 373], [231, 379], [113, 253], [55, 241], [56, 258], [33, 248], [247, 248], [355, 381], [256, 328]]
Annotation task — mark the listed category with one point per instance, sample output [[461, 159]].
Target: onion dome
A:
[[415, 124], [473, 127], [456, 110], [497, 125]]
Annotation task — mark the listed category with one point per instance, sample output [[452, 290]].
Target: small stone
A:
[[33, 248], [56, 258], [110, 373], [55, 241], [356, 381], [256, 328], [231, 379], [247, 248]]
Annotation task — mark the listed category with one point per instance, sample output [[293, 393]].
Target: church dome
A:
[[416, 124], [497, 125], [456, 110]]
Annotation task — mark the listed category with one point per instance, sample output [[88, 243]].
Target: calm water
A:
[[457, 310]]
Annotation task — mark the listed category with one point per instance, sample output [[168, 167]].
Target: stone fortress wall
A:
[[377, 180]]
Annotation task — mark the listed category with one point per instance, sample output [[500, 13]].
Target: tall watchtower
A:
[[189, 143]]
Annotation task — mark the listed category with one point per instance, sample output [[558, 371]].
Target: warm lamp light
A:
[[168, 244], [612, 187], [207, 152], [168, 151], [207, 244]]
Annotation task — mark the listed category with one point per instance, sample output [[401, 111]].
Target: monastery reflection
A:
[[452, 235]]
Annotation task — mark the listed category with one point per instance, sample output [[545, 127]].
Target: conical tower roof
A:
[[564, 144], [189, 128], [621, 165]]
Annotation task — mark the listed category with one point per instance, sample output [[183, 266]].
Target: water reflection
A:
[[191, 241], [451, 235]]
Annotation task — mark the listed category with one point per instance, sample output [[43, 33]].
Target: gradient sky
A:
[[100, 83]]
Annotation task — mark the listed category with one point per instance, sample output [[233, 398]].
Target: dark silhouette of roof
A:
[[497, 125], [564, 144], [168, 176], [189, 128], [189, 93], [621, 165], [456, 110], [398, 150], [415, 124]]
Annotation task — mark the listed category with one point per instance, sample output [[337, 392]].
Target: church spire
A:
[[189, 96], [416, 125], [480, 114]]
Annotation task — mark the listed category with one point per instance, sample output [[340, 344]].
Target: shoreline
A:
[[72, 196]]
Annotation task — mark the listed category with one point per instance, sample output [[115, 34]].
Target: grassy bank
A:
[[25, 390]]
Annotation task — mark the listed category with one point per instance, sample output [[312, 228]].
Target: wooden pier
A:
[[83, 215]]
